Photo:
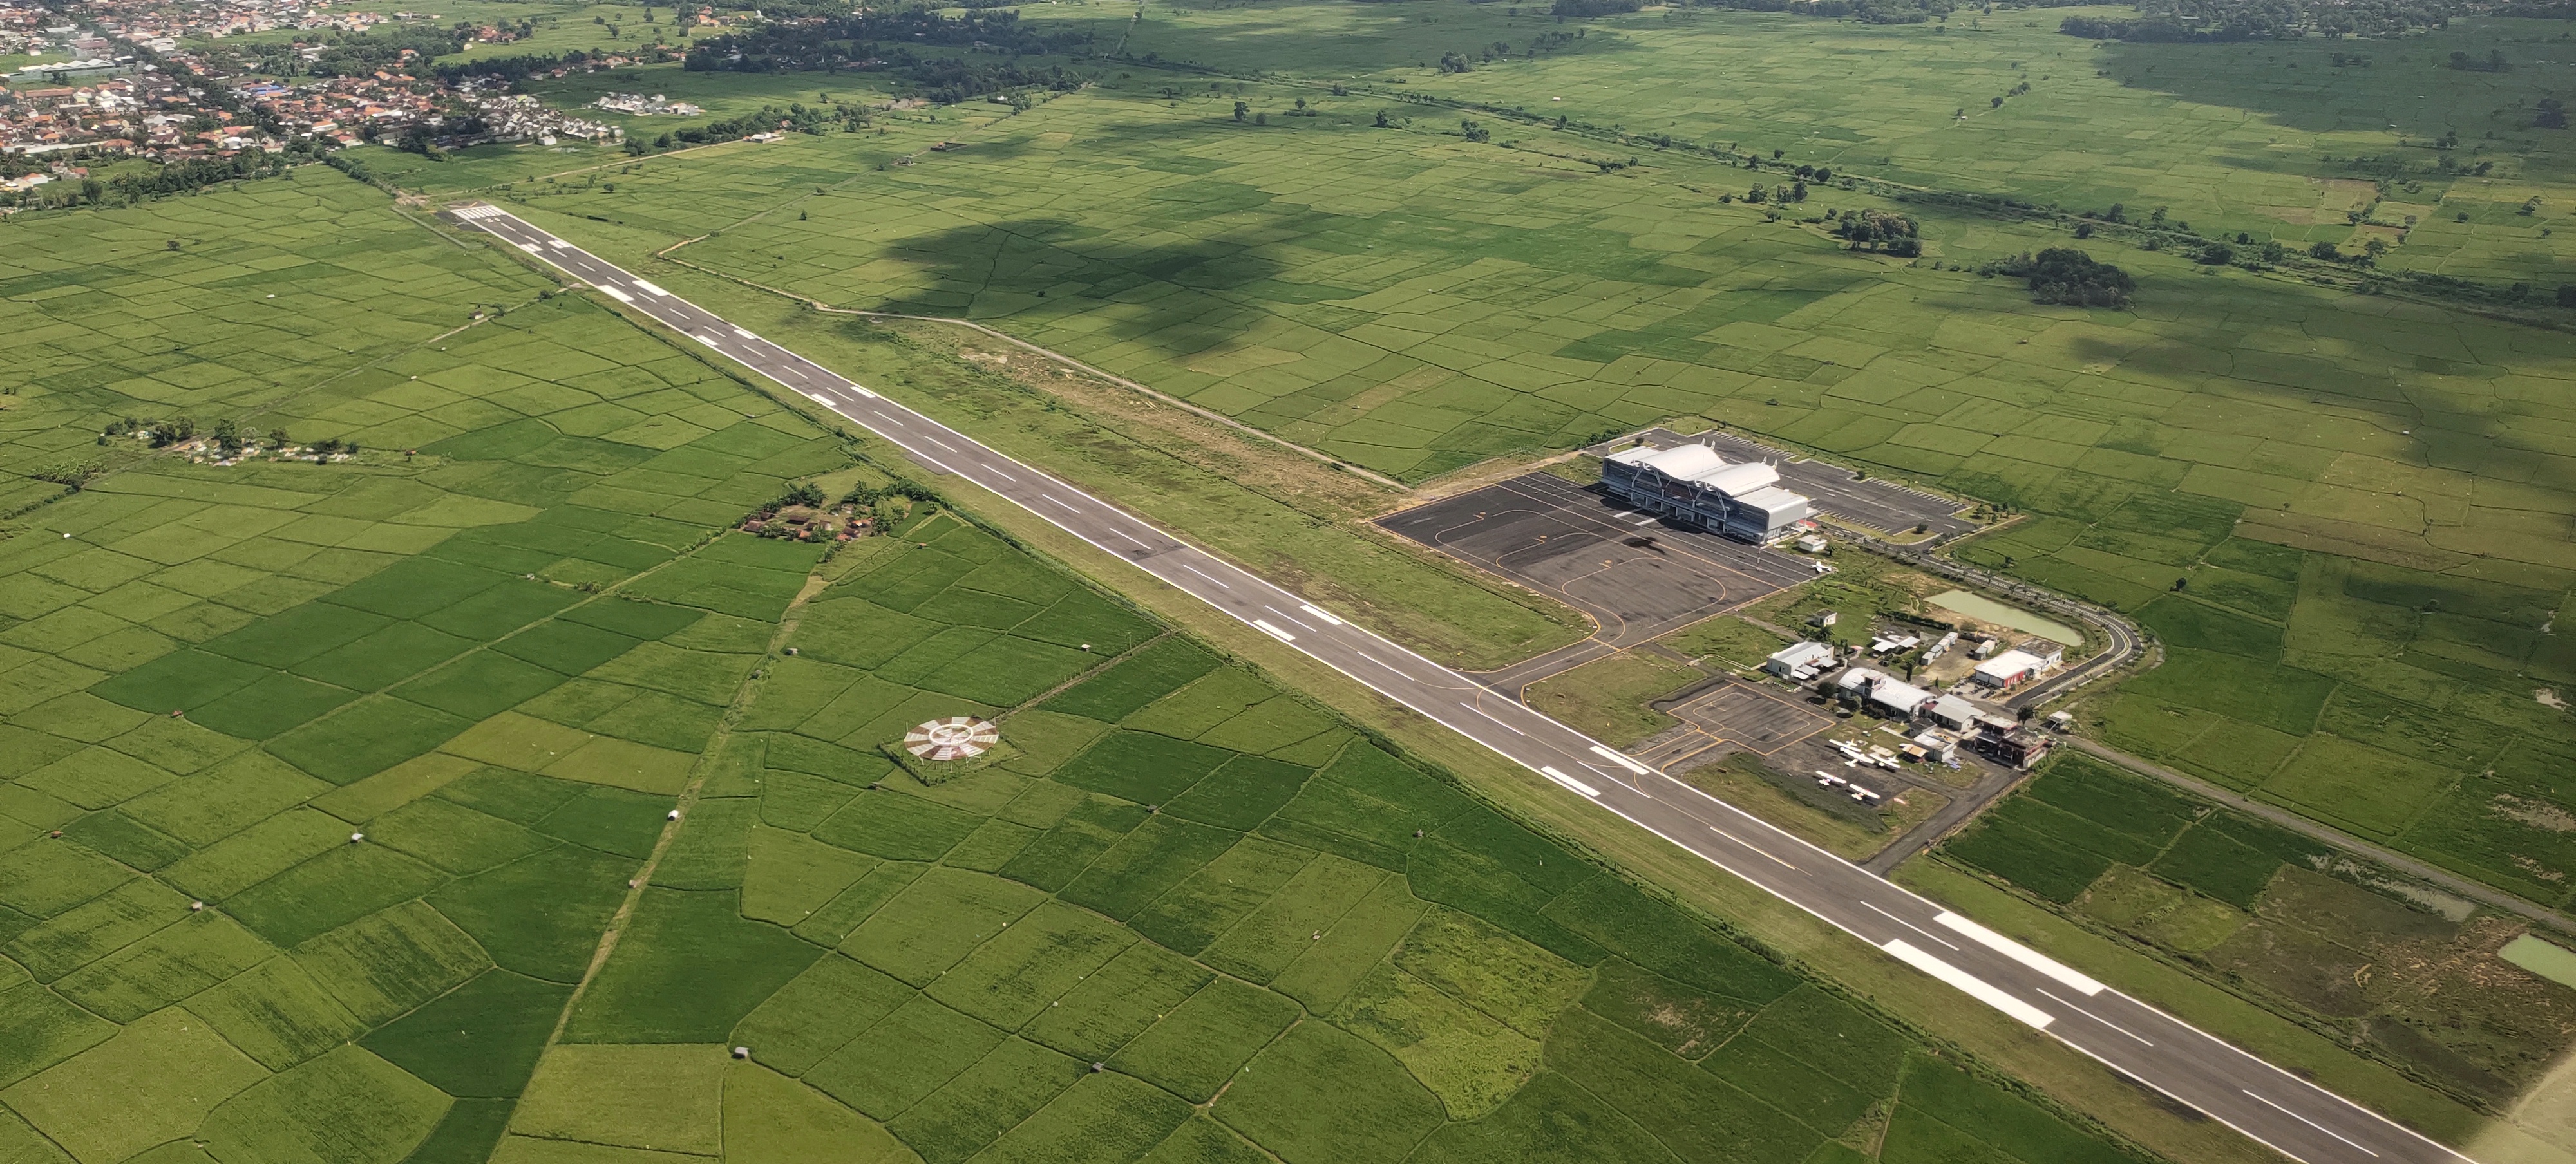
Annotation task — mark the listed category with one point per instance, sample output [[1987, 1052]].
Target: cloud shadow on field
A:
[[2297, 84], [1055, 267]]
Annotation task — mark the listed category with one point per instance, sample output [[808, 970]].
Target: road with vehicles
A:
[[2272, 1106]]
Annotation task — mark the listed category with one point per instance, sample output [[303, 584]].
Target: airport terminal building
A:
[[1693, 485]]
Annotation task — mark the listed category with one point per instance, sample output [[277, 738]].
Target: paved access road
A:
[[2270, 1105]]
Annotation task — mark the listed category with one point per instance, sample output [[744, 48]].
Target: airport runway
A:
[[2282, 1111]]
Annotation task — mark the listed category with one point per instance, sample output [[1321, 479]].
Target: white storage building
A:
[[1898, 699], [2008, 668], [1799, 661], [1953, 713]]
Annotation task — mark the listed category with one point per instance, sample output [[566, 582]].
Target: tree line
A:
[[173, 178], [2222, 21], [1865, 11], [354, 54]]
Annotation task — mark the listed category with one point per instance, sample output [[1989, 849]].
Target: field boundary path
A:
[[2329, 834], [2271, 1106]]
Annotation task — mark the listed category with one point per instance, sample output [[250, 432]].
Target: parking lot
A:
[[1637, 577], [1884, 506], [1732, 711]]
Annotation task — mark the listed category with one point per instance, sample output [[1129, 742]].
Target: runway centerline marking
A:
[[1195, 570], [2043, 993], [1873, 908], [2305, 1120], [1750, 845], [1490, 715]]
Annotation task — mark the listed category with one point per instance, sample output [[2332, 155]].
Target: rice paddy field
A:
[[2354, 949], [1089, 949], [2275, 139], [463, 800]]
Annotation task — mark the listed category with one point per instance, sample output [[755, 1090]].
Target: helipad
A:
[[958, 737]]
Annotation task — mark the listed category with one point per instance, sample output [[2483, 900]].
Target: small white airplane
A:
[[1864, 795], [1828, 779]]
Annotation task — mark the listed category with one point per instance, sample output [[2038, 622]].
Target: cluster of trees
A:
[[2190, 21], [2069, 276], [871, 38], [797, 117], [2551, 115], [2370, 252], [227, 435], [512, 69], [1579, 9], [2255, 256], [2493, 62], [1881, 231], [351, 54], [860, 40], [1466, 62], [1545, 42], [1865, 11]]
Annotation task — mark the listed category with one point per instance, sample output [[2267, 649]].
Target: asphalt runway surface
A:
[[2290, 1115], [1636, 576]]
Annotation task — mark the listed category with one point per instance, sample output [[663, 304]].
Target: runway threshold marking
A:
[[1272, 631], [1970, 985], [1621, 760], [1320, 612], [2019, 953], [1561, 778]]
